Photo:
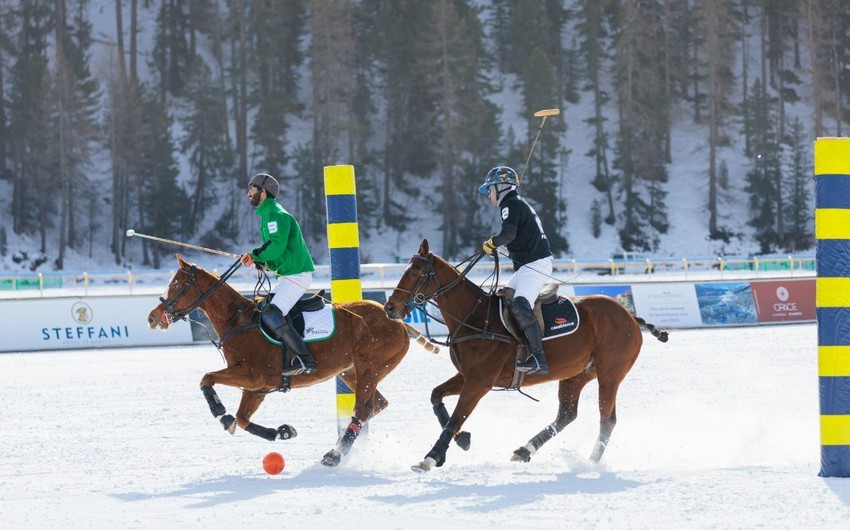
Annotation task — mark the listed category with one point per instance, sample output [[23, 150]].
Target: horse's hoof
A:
[[521, 455], [463, 440], [286, 432], [331, 458], [229, 423], [424, 466]]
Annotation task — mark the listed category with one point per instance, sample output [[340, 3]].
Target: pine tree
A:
[[276, 27], [593, 30], [206, 143], [163, 206], [29, 129], [5, 52], [76, 100], [464, 116], [409, 95], [716, 27], [641, 145], [540, 183], [798, 200], [171, 53], [764, 177]]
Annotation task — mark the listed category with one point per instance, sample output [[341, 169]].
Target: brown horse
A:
[[604, 347], [364, 348]]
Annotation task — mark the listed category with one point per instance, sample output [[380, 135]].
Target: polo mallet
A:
[[545, 113], [131, 233]]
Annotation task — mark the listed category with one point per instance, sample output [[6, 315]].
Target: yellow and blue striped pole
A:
[[344, 247], [832, 232]]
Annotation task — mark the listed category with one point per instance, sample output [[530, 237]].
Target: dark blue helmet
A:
[[499, 175]]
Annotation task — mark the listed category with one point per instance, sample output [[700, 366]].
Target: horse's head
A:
[[181, 296], [417, 284]]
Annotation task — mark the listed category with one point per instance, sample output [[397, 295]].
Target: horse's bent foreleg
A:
[[569, 391], [451, 387], [251, 401], [470, 394], [227, 376]]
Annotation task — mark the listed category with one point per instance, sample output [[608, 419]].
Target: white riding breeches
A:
[[289, 289], [530, 279]]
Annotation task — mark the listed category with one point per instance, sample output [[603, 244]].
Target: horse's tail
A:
[[657, 333], [416, 335]]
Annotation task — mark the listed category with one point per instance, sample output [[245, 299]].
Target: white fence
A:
[[386, 275]]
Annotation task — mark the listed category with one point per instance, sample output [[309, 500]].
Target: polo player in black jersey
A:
[[522, 234]]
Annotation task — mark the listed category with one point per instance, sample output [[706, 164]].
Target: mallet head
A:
[[547, 112], [131, 232]]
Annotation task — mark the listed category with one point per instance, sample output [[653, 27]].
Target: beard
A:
[[255, 200]]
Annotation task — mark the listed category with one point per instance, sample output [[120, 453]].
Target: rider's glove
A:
[[247, 259], [488, 246]]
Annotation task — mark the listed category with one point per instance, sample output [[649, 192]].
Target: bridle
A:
[[418, 299], [171, 313]]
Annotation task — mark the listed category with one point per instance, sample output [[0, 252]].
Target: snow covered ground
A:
[[717, 429]]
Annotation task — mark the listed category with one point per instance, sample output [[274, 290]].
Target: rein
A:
[[173, 314], [418, 299]]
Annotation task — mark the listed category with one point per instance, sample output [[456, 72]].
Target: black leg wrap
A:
[[350, 434], [438, 452], [442, 413], [216, 407], [227, 421], [544, 436], [263, 432]]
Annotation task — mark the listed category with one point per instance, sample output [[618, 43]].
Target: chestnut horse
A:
[[364, 348], [604, 347]]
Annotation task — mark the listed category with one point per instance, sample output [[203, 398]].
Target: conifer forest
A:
[[153, 114]]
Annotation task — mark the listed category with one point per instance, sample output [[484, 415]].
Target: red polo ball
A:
[[273, 463]]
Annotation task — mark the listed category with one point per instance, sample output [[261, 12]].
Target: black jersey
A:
[[522, 231]]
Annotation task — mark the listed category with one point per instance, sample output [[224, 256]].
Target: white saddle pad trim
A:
[[320, 324]]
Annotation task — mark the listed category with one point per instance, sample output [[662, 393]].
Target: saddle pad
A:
[[556, 318], [559, 318], [314, 326]]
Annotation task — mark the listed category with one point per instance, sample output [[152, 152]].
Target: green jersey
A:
[[284, 250]]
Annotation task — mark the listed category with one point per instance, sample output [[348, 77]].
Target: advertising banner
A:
[[672, 305], [84, 322], [785, 300], [620, 293], [726, 303]]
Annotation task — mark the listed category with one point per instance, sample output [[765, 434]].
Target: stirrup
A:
[[532, 366], [298, 366]]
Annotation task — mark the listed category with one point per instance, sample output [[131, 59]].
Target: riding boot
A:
[[302, 361], [535, 363]]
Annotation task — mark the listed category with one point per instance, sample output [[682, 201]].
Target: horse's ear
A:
[[423, 248], [180, 261]]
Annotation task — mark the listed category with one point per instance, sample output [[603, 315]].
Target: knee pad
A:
[[521, 311], [272, 316]]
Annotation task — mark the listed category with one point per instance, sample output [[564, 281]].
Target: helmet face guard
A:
[[499, 175]]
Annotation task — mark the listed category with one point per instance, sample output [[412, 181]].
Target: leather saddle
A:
[[308, 303], [556, 315]]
